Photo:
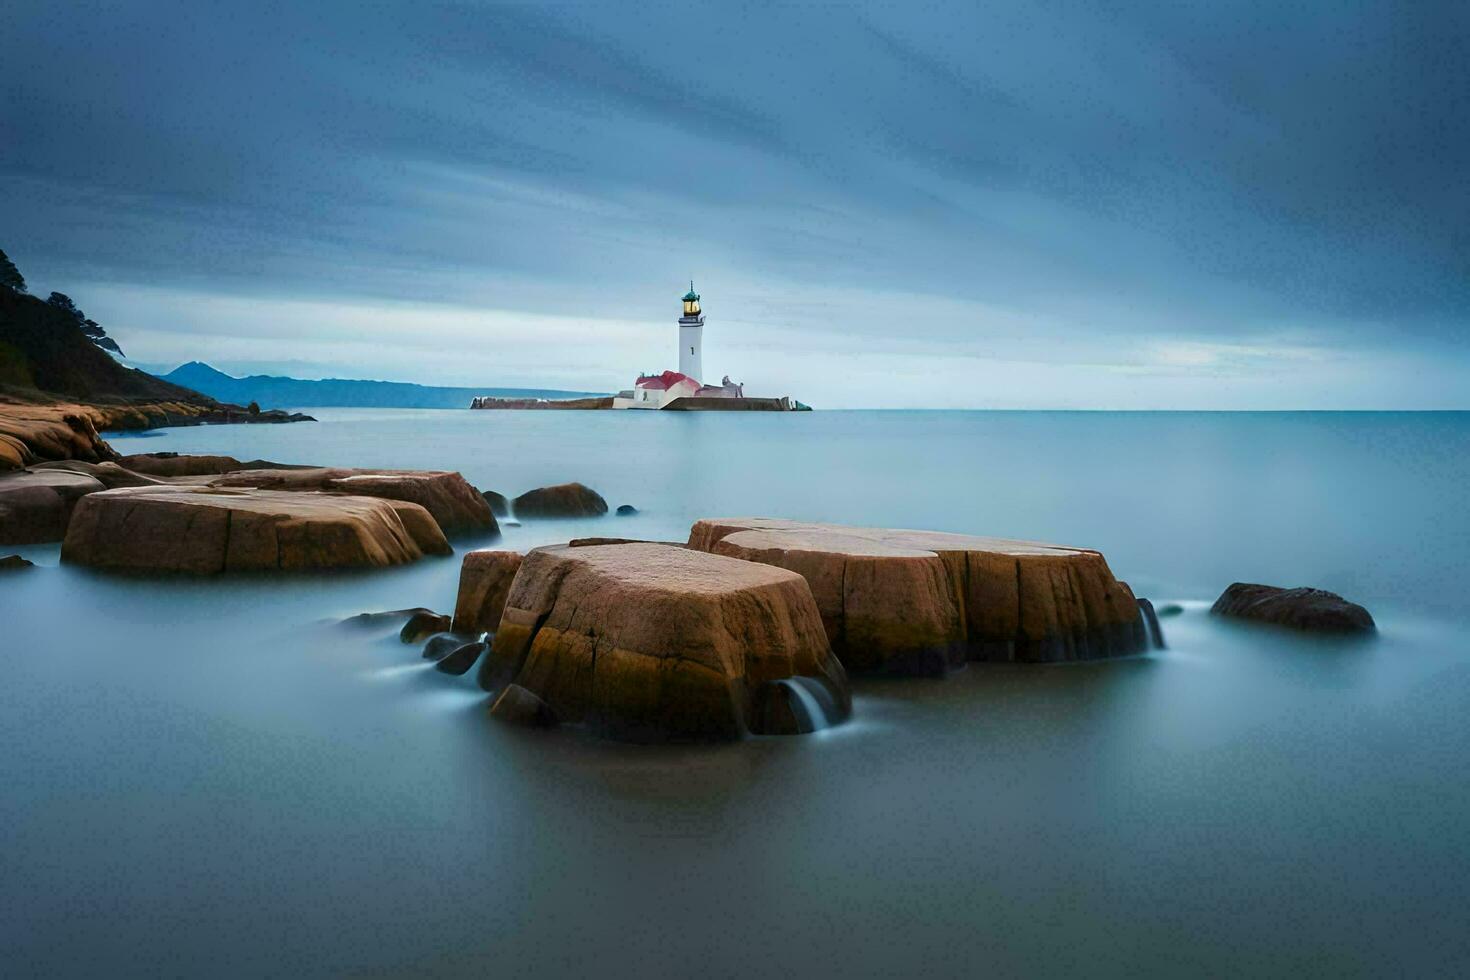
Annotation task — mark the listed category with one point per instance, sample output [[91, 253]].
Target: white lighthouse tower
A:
[[691, 337]]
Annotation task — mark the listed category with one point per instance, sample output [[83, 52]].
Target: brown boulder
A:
[[499, 505], [36, 505], [649, 642], [178, 464], [925, 601], [518, 706], [203, 530], [457, 506], [484, 582], [1303, 609], [14, 563], [562, 500]]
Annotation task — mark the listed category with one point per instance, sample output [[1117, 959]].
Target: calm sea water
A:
[[209, 778]]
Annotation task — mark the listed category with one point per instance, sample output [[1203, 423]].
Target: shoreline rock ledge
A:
[[652, 642], [924, 602]]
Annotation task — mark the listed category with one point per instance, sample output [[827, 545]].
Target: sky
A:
[[1217, 205]]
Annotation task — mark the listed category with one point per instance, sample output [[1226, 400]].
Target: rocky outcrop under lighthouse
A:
[[923, 602]]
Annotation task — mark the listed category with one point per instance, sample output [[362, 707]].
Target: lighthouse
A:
[[691, 336]]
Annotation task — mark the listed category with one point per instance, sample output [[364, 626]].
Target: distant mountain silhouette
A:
[[338, 392]]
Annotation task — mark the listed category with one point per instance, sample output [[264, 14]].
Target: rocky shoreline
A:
[[752, 626]]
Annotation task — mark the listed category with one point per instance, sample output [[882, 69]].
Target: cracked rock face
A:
[[484, 583], [923, 602], [204, 530], [649, 642]]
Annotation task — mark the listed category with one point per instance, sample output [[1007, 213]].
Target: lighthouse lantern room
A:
[[691, 336]]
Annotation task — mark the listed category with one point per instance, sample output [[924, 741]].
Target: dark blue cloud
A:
[[1226, 171]]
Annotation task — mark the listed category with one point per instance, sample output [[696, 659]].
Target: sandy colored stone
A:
[[484, 583], [925, 601], [454, 503], [650, 642], [204, 530], [109, 474], [36, 505], [36, 433], [178, 464]]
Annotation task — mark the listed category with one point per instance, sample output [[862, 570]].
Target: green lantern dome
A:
[[691, 296]]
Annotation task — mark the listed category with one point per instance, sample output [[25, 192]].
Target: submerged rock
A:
[[563, 500], [518, 706], [422, 625], [205, 530], [1151, 621], [497, 502], [648, 642], [441, 645], [461, 658], [1304, 609], [36, 505], [626, 510], [13, 563], [376, 618], [1169, 609], [484, 582], [923, 602]]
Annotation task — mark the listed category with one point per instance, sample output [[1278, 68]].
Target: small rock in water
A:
[[1169, 609], [499, 505], [520, 707], [440, 645], [1151, 623], [462, 658], [1304, 609], [563, 500], [375, 618], [422, 625], [626, 510], [11, 563]]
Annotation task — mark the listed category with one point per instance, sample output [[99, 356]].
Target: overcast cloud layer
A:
[[1241, 205]]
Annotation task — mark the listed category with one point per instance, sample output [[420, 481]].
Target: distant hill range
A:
[[339, 392]]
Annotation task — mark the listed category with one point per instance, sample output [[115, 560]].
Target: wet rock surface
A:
[[497, 502], [461, 658], [518, 706], [648, 642], [14, 563], [205, 530], [563, 500], [1314, 610], [422, 625], [484, 583], [924, 602], [626, 510]]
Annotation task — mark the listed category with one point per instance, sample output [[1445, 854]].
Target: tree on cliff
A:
[[90, 328], [10, 277]]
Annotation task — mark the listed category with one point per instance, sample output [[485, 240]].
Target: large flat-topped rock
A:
[[925, 601], [204, 530], [35, 505], [651, 642], [458, 507]]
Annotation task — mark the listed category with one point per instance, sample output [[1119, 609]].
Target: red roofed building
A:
[[658, 390]]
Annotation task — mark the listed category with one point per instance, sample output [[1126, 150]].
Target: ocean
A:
[[215, 777]]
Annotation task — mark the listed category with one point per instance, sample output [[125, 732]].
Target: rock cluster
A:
[[923, 602], [651, 642], [1304, 609]]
